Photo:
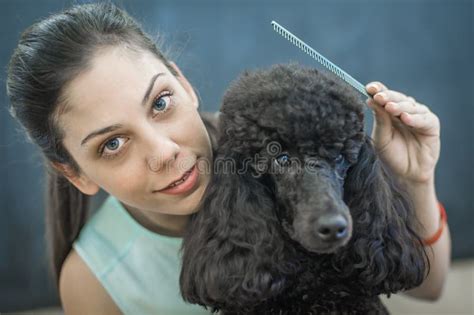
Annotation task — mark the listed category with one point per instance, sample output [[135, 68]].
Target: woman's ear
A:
[[81, 182], [187, 86]]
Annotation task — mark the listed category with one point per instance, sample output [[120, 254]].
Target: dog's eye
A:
[[339, 159], [341, 167], [283, 160]]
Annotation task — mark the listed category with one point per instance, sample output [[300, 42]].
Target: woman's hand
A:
[[406, 136], [405, 133]]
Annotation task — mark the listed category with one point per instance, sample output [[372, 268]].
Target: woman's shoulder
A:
[[80, 291]]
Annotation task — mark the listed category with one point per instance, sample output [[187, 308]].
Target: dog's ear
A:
[[385, 252], [232, 249]]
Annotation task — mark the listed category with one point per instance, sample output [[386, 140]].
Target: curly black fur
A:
[[253, 247]]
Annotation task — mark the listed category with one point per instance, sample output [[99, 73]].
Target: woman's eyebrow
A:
[[117, 126], [150, 87], [100, 132]]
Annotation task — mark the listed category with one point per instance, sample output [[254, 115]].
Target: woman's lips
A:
[[190, 179]]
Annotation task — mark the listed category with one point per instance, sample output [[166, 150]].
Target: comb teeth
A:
[[319, 58]]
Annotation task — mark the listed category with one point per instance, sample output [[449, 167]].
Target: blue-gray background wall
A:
[[423, 48]]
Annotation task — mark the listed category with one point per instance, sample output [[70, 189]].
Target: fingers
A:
[[391, 96], [375, 87], [395, 111], [383, 95], [426, 123], [395, 103], [396, 108]]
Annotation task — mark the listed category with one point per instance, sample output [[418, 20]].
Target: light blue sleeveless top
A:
[[138, 268]]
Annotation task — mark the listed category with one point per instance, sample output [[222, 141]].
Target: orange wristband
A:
[[442, 223]]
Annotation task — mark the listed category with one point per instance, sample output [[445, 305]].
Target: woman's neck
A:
[[164, 224]]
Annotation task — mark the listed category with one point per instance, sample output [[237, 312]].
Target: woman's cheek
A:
[[124, 180]]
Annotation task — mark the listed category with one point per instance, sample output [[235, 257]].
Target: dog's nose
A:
[[331, 228]]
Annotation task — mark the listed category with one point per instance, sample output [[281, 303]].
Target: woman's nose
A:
[[163, 154]]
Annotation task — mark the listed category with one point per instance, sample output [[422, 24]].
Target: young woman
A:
[[109, 111]]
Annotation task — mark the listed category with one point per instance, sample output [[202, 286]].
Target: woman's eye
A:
[[113, 144], [283, 160], [162, 103], [112, 147]]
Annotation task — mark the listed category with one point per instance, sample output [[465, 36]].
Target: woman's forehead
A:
[[116, 73], [117, 79]]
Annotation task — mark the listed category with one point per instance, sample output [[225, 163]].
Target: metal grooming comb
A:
[[319, 58]]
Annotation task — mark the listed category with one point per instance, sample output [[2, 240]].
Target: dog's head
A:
[[293, 162], [302, 130]]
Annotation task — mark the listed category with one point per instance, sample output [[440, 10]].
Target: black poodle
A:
[[301, 216]]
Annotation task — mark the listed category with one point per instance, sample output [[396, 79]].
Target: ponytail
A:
[[67, 209]]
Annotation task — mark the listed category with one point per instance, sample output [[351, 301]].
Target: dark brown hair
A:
[[49, 55]]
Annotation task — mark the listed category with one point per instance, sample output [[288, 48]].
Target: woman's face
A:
[[144, 143]]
